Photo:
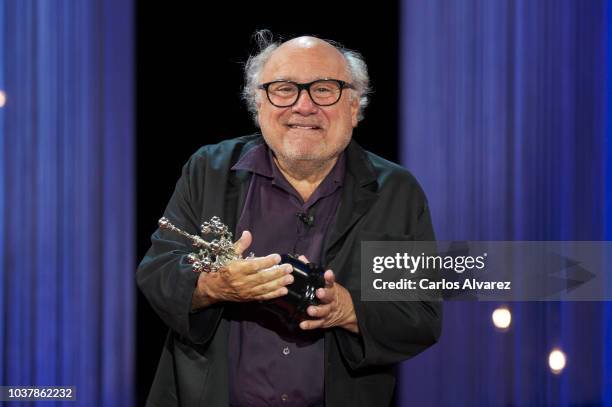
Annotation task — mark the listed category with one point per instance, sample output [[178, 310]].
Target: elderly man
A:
[[302, 186]]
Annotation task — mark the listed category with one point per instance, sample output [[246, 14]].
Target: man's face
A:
[[306, 131]]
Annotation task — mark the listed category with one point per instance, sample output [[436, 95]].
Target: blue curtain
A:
[[506, 123], [66, 195]]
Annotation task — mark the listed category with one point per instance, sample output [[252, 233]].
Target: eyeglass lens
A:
[[323, 93]]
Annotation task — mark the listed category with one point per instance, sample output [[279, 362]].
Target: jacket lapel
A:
[[358, 195], [237, 187]]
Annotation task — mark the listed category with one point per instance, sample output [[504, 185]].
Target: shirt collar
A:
[[256, 160]]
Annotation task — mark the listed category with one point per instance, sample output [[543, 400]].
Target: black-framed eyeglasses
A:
[[323, 92]]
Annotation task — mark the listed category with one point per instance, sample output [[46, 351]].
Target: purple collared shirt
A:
[[270, 362]]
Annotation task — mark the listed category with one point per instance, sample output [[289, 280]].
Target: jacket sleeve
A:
[[393, 331], [164, 276]]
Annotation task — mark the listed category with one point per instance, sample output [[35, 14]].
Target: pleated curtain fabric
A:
[[66, 195], [505, 113]]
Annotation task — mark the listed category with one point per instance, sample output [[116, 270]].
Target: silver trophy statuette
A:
[[212, 255]]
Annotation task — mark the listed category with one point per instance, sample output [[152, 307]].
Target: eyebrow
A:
[[320, 78]]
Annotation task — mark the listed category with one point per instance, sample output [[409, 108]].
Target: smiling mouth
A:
[[303, 127]]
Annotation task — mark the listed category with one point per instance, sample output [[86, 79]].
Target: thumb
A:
[[243, 243], [330, 278]]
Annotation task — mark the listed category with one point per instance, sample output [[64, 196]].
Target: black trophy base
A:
[[307, 278]]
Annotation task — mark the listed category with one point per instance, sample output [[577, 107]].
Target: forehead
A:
[[304, 60]]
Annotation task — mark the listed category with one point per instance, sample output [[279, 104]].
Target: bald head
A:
[[306, 42], [305, 59]]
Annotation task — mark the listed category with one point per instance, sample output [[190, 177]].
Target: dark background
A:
[[189, 78]]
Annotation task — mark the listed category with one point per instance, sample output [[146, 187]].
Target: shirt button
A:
[[286, 351], [284, 398]]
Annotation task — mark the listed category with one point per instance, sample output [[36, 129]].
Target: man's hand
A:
[[336, 307], [260, 278]]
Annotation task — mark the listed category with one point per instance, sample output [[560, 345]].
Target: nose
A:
[[304, 104]]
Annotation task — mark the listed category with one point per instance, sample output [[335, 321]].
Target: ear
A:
[[355, 110], [258, 114]]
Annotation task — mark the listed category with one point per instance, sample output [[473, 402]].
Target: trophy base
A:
[[308, 277]]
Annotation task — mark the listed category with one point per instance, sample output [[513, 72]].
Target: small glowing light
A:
[[2, 98], [556, 361], [501, 318]]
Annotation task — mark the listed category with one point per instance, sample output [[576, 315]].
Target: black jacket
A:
[[380, 201]]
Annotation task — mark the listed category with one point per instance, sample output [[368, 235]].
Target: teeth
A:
[[295, 126]]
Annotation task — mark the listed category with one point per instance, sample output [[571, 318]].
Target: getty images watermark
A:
[[486, 271]]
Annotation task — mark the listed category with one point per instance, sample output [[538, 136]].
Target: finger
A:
[[243, 243], [273, 285], [303, 258], [319, 311], [310, 324], [279, 292], [326, 295], [271, 274], [251, 265], [330, 278], [256, 264]]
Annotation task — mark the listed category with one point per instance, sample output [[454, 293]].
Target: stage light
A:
[[2, 98], [556, 361], [501, 318]]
